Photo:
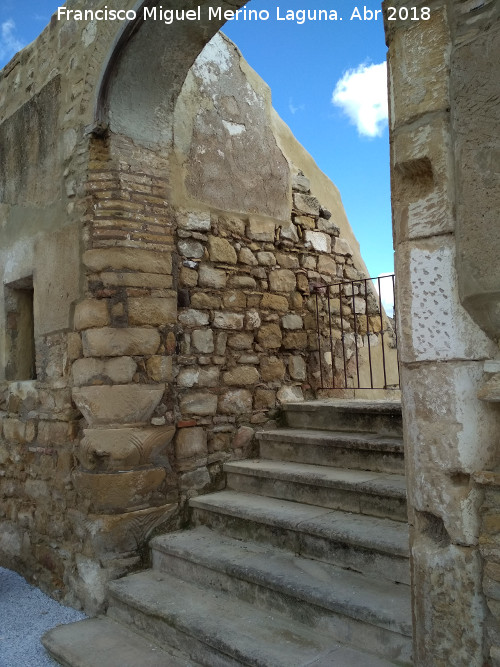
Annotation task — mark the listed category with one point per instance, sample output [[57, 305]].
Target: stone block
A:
[[343, 247], [272, 369], [220, 345], [201, 300], [188, 277], [296, 340], [434, 325], [195, 480], [235, 299], [269, 336], [127, 259], [121, 533], [192, 376], [264, 399], [51, 433], [74, 346], [415, 90], [328, 226], [261, 229], [296, 301], [210, 277], [14, 430], [450, 618], [118, 404], [152, 311], [194, 221], [297, 368], [159, 368], [449, 435], [191, 249], [300, 183], [266, 258], [248, 358], [231, 225], [292, 321], [282, 280], [290, 395], [191, 443], [288, 231], [327, 265], [306, 204], [243, 282], [243, 437], [318, 241], [91, 313], [287, 260], [252, 320], [57, 278], [423, 183], [274, 302], [193, 318], [120, 490], [122, 448], [232, 321], [221, 250], [198, 403], [203, 340], [11, 541], [89, 370], [490, 390], [241, 376], [241, 341], [247, 257], [305, 221], [136, 279], [235, 402], [109, 342], [359, 305]]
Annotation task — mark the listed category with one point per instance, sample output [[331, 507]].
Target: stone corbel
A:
[[107, 450]]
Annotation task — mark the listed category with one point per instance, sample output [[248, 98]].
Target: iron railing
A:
[[356, 333]]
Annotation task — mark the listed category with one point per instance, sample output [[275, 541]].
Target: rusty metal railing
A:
[[356, 333]]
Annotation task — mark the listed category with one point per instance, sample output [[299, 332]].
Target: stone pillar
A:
[[449, 434], [122, 377]]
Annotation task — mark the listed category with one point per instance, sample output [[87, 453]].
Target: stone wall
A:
[[168, 266], [444, 133]]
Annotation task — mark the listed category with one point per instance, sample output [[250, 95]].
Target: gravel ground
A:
[[25, 614]]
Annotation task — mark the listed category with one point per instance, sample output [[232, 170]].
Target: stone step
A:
[[327, 598], [358, 491], [360, 451], [216, 629], [366, 544], [382, 417], [98, 642]]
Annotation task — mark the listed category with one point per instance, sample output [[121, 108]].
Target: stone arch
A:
[[128, 67]]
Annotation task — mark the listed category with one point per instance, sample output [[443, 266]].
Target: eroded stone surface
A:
[[119, 404]]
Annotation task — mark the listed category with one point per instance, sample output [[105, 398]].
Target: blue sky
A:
[[306, 66]]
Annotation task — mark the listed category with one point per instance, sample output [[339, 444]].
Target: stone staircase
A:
[[302, 560]]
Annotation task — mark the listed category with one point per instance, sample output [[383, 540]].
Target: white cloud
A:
[[9, 44], [362, 94], [293, 109]]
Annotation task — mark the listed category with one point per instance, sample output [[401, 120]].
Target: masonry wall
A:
[[169, 250], [444, 136]]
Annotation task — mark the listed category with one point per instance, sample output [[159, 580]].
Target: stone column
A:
[[122, 377], [449, 434]]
